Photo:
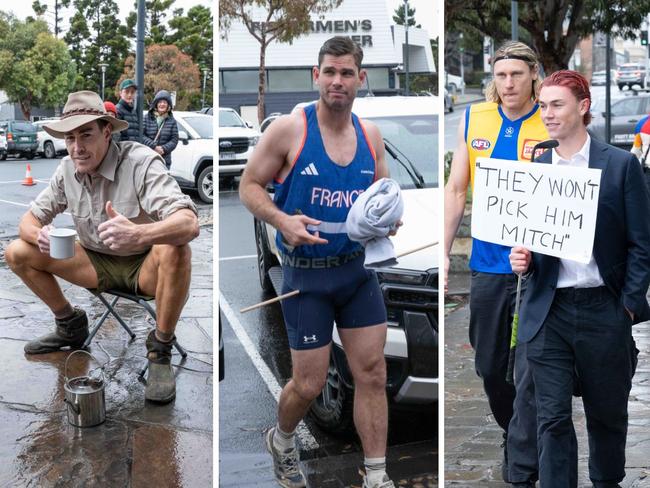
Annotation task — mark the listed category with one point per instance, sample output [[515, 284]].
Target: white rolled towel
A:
[[372, 216]]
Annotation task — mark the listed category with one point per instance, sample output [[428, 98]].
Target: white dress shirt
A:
[[573, 273]]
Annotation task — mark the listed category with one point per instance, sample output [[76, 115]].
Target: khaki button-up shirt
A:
[[132, 176]]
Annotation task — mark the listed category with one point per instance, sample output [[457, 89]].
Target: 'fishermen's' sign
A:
[[546, 208]]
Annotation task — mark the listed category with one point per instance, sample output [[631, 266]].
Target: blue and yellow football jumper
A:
[[489, 133]]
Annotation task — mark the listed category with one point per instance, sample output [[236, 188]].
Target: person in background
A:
[[126, 110], [112, 111], [160, 129], [641, 146]]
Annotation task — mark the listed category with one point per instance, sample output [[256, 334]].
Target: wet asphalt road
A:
[[247, 407], [15, 198]]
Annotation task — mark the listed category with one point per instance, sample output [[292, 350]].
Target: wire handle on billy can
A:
[[101, 368]]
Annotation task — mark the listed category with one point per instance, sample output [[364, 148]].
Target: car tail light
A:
[[10, 136]]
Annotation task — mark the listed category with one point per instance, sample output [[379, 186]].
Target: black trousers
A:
[[587, 338], [492, 305]]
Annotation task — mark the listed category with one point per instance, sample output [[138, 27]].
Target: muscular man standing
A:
[[507, 126], [324, 149]]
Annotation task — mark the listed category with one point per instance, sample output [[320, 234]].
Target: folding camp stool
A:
[[140, 300]]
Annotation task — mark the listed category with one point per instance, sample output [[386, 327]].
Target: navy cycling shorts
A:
[[348, 294]]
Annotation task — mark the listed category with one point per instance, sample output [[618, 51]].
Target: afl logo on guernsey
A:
[[481, 144]]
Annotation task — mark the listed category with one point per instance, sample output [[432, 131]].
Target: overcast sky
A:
[[24, 8], [425, 13]]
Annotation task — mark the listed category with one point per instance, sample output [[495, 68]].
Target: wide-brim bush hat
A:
[[81, 108]]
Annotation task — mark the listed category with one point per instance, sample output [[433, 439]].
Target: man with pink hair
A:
[[576, 319]]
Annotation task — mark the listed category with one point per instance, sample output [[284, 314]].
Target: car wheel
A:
[[265, 258], [48, 150], [620, 87], [3, 156], [332, 409], [205, 185], [451, 107]]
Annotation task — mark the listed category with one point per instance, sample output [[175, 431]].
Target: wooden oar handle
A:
[[268, 302], [419, 248]]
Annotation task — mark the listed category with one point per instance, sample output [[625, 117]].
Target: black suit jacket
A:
[[621, 243]]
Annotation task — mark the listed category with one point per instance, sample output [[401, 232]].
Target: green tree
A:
[[155, 27], [192, 34], [35, 67], [398, 16], [554, 27], [41, 9], [95, 37], [283, 22], [167, 68]]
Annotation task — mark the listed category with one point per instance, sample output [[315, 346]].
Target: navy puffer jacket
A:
[[167, 133], [128, 113]]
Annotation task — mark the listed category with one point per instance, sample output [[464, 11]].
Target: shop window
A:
[[241, 81], [290, 80]]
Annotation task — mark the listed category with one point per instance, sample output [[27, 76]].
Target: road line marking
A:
[[20, 181], [27, 205], [235, 258], [306, 438], [15, 203]]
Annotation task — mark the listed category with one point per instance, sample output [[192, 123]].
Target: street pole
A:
[[103, 66], [139, 66], [462, 67], [205, 75], [406, 53], [514, 17]]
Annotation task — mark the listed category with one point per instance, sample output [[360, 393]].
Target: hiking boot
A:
[[385, 483], [71, 332], [285, 464], [161, 384]]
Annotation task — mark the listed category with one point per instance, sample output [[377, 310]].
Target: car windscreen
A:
[[230, 119], [202, 125], [23, 127], [416, 138]]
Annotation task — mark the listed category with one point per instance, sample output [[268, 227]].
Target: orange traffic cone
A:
[[28, 181]]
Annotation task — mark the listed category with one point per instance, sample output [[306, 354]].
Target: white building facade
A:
[[289, 66]]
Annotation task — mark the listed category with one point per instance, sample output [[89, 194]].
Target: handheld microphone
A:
[[550, 144]]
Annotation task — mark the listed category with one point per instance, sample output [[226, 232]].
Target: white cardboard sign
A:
[[545, 208]]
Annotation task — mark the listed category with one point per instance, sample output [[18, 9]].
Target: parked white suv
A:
[[48, 146], [237, 139], [409, 126], [455, 84], [192, 158]]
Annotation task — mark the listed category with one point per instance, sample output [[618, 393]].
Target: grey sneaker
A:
[[285, 464], [385, 483]]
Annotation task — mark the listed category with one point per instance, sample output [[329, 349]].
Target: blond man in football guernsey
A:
[[506, 126]]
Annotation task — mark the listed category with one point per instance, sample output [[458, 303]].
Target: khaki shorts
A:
[[116, 272]]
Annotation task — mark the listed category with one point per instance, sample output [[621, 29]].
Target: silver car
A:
[[626, 112]]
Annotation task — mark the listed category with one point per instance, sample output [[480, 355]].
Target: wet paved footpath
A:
[[472, 437], [140, 444]]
